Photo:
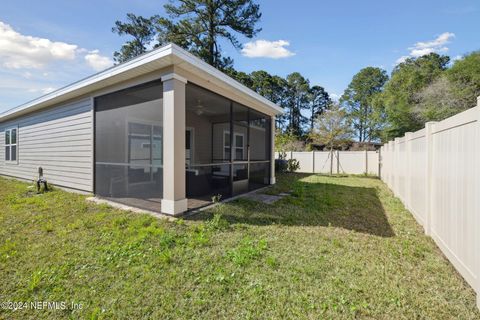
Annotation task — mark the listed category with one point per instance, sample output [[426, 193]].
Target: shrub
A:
[[216, 198], [281, 165], [293, 165]]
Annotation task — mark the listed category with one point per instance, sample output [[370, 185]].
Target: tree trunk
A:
[[312, 120], [211, 36]]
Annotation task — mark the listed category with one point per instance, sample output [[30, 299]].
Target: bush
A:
[[293, 165], [281, 165]]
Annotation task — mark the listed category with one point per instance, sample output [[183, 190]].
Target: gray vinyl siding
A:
[[60, 140]]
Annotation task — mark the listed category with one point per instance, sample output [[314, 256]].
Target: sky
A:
[[45, 45]]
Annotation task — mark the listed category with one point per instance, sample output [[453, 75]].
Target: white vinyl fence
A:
[[351, 162], [436, 174]]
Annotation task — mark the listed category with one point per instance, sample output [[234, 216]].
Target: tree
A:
[[454, 91], [141, 29], [274, 88], [199, 25], [280, 94], [319, 101], [464, 76], [242, 77], [263, 84], [298, 88], [286, 141], [436, 101], [358, 100], [407, 79], [378, 118], [332, 129]]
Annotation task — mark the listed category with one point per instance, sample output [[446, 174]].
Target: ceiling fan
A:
[[201, 109]]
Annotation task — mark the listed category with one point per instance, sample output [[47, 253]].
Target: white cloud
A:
[[32, 66], [97, 61], [401, 59], [457, 57], [267, 49], [439, 42], [27, 75], [47, 90], [437, 45], [41, 90], [19, 51], [335, 96]]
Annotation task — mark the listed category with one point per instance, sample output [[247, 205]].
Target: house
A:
[[164, 131]]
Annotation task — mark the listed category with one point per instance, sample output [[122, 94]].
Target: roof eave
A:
[[97, 81]]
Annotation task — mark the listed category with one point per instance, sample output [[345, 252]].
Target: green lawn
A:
[[337, 248]]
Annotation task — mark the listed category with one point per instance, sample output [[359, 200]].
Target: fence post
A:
[[380, 162], [429, 127], [338, 162], [478, 205], [391, 178], [392, 164], [313, 161], [396, 162], [386, 164], [408, 165], [366, 161]]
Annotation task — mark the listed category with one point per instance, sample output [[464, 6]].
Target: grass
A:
[[336, 248]]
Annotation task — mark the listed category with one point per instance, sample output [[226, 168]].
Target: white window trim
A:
[[234, 143], [192, 146], [10, 145]]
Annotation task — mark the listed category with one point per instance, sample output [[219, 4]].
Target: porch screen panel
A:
[[260, 149], [129, 144], [208, 123]]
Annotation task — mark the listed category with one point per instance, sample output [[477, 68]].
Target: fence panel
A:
[[436, 173], [350, 162], [373, 162], [322, 162], [417, 177], [306, 161]]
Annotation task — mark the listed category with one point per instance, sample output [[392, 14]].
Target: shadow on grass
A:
[[312, 204]]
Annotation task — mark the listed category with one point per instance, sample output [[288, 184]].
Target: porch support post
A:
[[174, 201], [272, 151]]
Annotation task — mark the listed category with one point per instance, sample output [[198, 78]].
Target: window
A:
[[11, 138], [238, 146], [226, 146], [189, 146]]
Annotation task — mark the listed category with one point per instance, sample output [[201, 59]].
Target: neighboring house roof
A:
[[165, 56]]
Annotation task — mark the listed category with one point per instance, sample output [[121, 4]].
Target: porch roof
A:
[[165, 56]]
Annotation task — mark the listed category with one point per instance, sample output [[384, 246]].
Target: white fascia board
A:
[[202, 65]]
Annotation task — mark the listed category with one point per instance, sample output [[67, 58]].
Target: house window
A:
[[226, 145], [189, 146], [11, 149], [238, 146]]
